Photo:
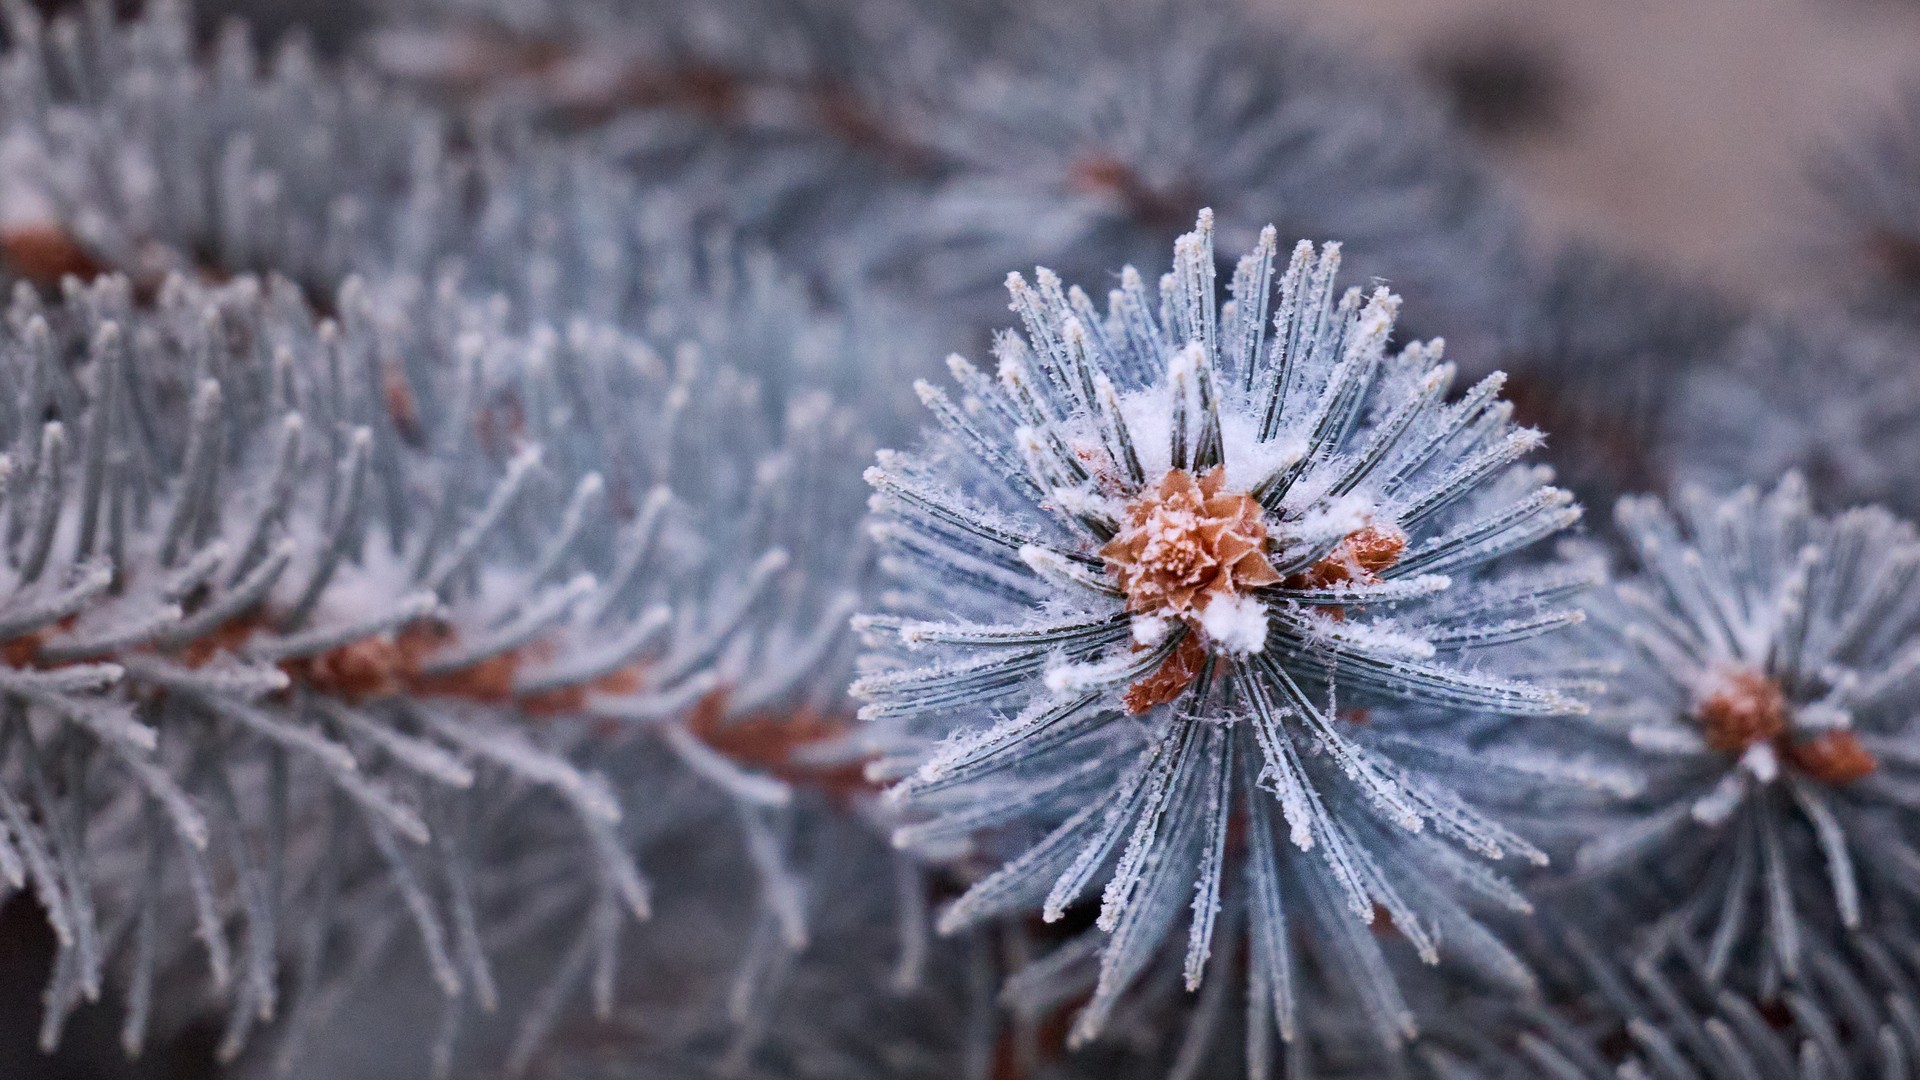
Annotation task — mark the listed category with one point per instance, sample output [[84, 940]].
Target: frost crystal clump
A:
[[1164, 591], [1766, 660]]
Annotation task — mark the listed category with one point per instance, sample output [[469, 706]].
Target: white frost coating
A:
[[1762, 761], [1329, 521], [1715, 807], [1071, 678], [1150, 630], [1381, 639], [24, 204], [1149, 416], [1237, 624], [1666, 738], [1822, 716]]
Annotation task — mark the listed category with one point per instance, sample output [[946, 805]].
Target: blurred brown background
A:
[[1676, 130]]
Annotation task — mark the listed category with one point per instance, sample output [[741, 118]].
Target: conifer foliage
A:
[[1201, 553], [457, 615]]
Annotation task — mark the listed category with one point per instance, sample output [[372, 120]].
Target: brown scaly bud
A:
[[772, 741], [1111, 178], [1186, 543], [22, 651], [1835, 757], [1359, 558], [1744, 708], [356, 671], [1171, 678], [45, 254]]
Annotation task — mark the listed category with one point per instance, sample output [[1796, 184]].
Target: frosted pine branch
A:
[[1179, 637]]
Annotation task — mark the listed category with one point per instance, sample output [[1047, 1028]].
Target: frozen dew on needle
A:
[[1163, 592]]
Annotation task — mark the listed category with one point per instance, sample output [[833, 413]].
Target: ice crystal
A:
[[1762, 654], [1162, 591], [245, 603]]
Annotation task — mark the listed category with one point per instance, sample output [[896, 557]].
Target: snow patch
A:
[[1237, 624], [1150, 630]]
